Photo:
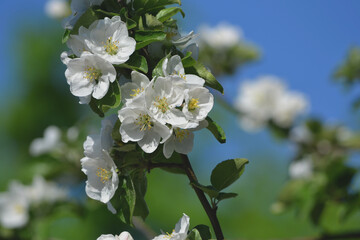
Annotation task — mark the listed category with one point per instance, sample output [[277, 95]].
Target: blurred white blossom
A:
[[123, 236], [223, 35], [267, 99], [301, 169], [57, 9], [50, 142]]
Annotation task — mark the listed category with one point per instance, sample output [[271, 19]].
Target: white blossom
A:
[[138, 126], [162, 99], [57, 8], [89, 75], [123, 236], [42, 191], [179, 233], [182, 140], [267, 99], [14, 207], [51, 141], [102, 176], [109, 39], [198, 103], [134, 90], [300, 134], [301, 169], [221, 36], [173, 67], [98, 165]]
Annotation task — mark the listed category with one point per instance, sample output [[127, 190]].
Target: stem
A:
[[211, 212]]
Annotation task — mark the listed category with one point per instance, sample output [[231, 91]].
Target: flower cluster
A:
[[266, 99], [16, 202], [179, 233], [97, 48], [164, 110]]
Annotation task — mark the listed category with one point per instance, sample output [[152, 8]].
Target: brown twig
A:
[[211, 212]]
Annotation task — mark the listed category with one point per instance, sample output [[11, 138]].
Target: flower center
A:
[[193, 104], [111, 46], [136, 92], [169, 235], [162, 104], [103, 174], [180, 134], [92, 74], [183, 76], [144, 121], [19, 208]]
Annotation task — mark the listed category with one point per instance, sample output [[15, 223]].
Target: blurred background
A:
[[301, 42]]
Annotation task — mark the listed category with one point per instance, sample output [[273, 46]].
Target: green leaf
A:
[[216, 130], [201, 71], [112, 99], [127, 195], [107, 14], [140, 184], [227, 172], [136, 62], [209, 190], [127, 147], [175, 158], [158, 72], [152, 22], [66, 35], [167, 13], [129, 22], [194, 235], [145, 37], [204, 231], [115, 134], [223, 196], [188, 61]]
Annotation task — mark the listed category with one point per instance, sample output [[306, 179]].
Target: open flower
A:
[[51, 141], [179, 233], [109, 39], [198, 103], [123, 236], [14, 206], [174, 67], [162, 99], [135, 89], [138, 126], [89, 75], [102, 176], [78, 8]]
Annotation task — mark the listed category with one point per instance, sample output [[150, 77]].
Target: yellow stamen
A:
[[19, 208], [193, 104], [169, 235], [111, 47], [162, 104], [144, 121], [104, 174], [180, 134], [183, 76], [136, 92], [92, 74]]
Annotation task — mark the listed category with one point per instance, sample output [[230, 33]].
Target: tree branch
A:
[[211, 212]]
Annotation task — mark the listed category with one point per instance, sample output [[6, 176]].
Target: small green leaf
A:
[[223, 196], [152, 22], [127, 195], [194, 235], [227, 172], [216, 130], [145, 37], [112, 99], [115, 134], [85, 20], [66, 35], [201, 71], [158, 72], [209, 190], [136, 62], [140, 184], [127, 147], [129, 22], [188, 61], [167, 13], [106, 14], [204, 231]]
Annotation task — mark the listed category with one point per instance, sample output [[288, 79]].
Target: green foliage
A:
[[216, 130], [127, 199], [167, 13], [349, 71], [227, 172], [136, 62], [145, 37], [194, 235], [112, 99], [204, 231]]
